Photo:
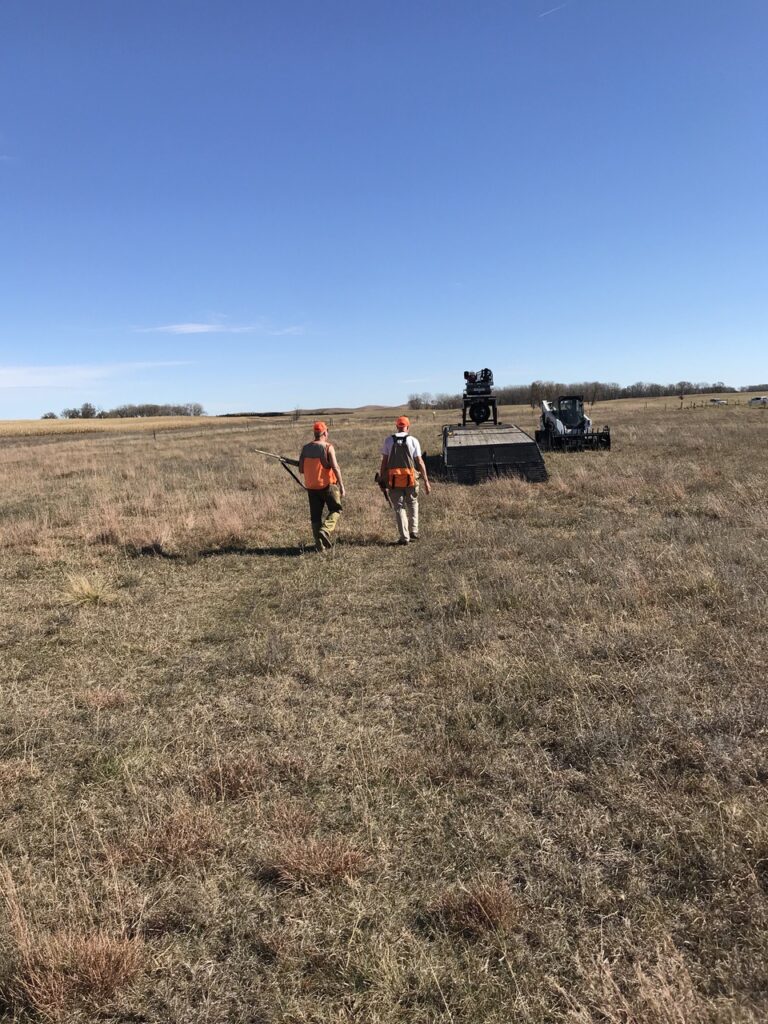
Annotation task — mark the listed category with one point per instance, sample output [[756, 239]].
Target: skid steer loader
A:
[[564, 426]]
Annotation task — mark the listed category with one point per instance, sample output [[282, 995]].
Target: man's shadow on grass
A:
[[157, 551], [292, 552], [244, 550]]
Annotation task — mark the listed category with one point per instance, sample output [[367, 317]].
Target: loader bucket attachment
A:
[[592, 440]]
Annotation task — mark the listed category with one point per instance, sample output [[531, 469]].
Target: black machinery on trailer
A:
[[479, 399], [471, 454]]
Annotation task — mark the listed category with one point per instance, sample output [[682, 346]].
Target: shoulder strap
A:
[[288, 470]]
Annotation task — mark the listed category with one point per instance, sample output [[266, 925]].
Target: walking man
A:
[[400, 459], [325, 489]]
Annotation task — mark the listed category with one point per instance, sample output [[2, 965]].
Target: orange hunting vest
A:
[[317, 467], [401, 469]]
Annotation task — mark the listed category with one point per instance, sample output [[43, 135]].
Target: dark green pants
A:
[[330, 498]]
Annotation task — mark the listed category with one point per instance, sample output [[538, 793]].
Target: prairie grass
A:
[[56, 974], [516, 772], [82, 590], [143, 425]]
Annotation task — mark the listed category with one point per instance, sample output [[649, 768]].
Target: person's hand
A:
[[342, 491], [427, 486]]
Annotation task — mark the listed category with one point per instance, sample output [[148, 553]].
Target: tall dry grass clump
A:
[[308, 861], [55, 974], [83, 590], [478, 909]]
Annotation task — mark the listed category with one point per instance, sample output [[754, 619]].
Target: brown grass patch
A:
[[305, 862], [230, 776], [84, 590], [57, 973], [17, 769], [662, 993], [101, 698], [477, 909], [176, 840], [66, 971]]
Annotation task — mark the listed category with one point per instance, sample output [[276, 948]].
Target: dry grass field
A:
[[515, 773], [56, 429]]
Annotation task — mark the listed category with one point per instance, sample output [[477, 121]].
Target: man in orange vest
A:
[[400, 458], [322, 478]]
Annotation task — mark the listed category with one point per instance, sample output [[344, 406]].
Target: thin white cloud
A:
[[554, 10], [280, 332], [218, 328], [73, 376], [193, 328]]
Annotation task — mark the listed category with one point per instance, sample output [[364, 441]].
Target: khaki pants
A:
[[329, 497], [405, 503]]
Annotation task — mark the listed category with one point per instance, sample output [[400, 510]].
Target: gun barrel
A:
[[273, 455]]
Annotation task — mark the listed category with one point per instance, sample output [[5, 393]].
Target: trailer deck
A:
[[473, 454]]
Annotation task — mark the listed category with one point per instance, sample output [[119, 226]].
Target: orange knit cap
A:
[[402, 423], [319, 428]]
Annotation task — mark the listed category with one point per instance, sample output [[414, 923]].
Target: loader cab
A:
[[570, 411], [564, 427]]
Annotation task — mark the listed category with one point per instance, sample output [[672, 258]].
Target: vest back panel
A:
[[317, 467], [401, 469]]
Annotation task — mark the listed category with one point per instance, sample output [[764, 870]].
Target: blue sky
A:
[[261, 205]]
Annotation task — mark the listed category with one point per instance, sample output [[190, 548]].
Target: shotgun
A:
[[379, 479], [285, 462]]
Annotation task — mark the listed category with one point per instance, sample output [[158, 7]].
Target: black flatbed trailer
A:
[[473, 454]]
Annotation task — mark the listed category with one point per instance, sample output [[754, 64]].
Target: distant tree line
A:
[[88, 411], [242, 415], [593, 391]]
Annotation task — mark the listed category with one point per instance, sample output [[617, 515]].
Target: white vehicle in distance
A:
[[758, 401], [718, 401]]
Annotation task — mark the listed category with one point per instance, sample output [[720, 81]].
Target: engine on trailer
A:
[[478, 398], [481, 451]]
